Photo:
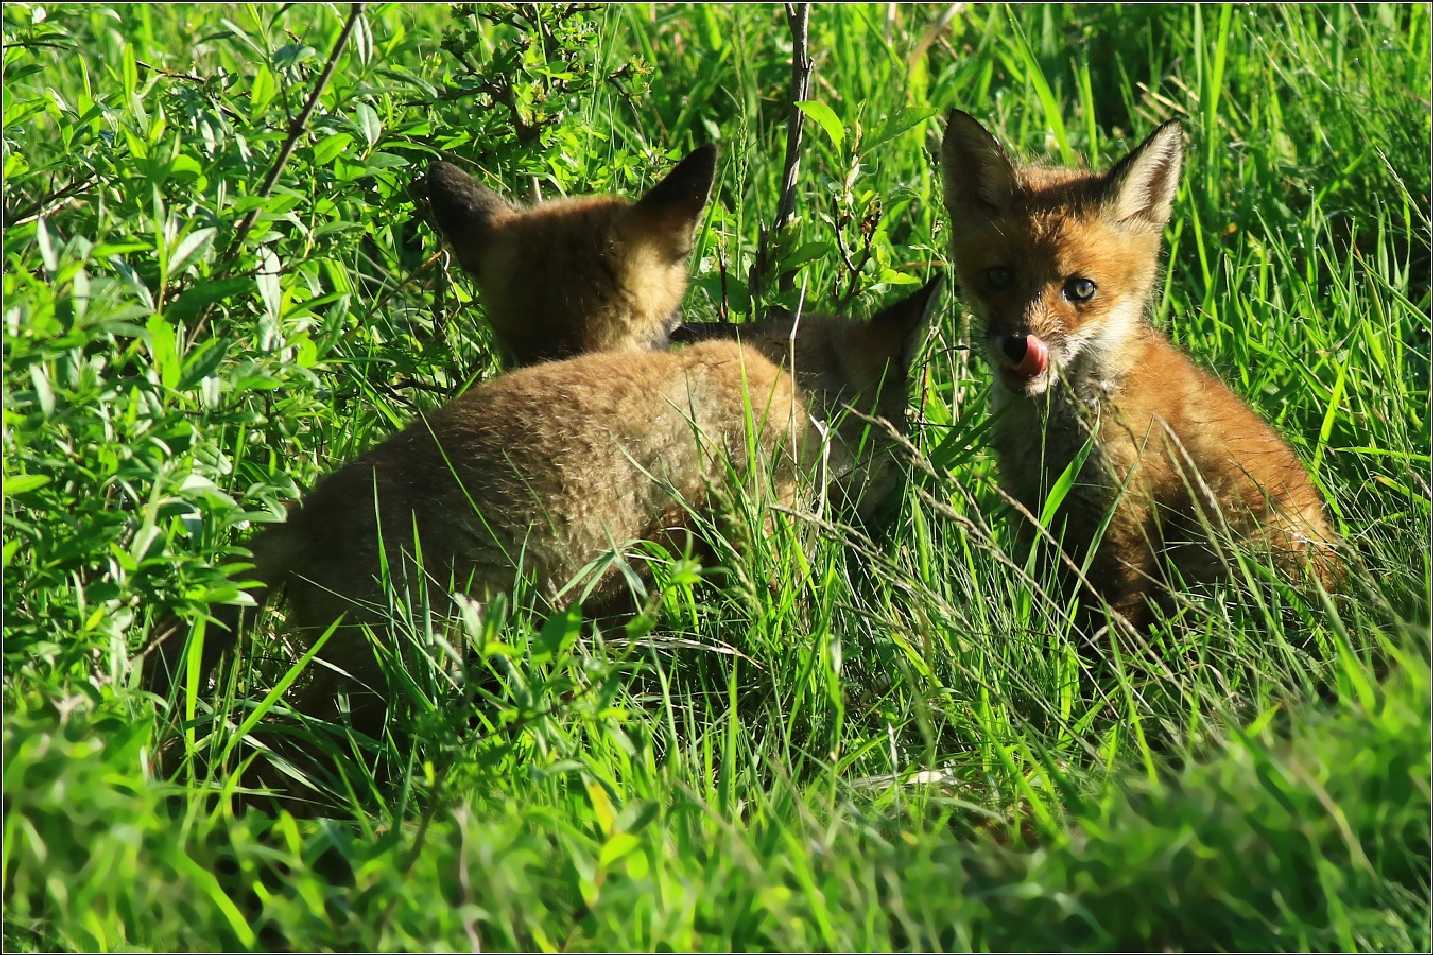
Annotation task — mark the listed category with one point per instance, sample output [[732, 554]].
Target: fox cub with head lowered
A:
[[1058, 266], [576, 275], [543, 471]]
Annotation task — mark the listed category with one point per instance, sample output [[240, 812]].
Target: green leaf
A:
[[892, 277], [190, 246], [906, 119], [1064, 483], [268, 281], [44, 394], [163, 348], [203, 362], [557, 635], [1330, 414], [220, 900], [23, 483], [362, 40], [129, 70], [188, 305], [329, 148], [368, 123], [619, 845], [807, 253], [47, 250], [262, 91], [825, 118], [185, 168]]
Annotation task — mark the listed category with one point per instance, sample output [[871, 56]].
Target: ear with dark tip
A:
[[1140, 188], [464, 209], [978, 177], [675, 203], [906, 322]]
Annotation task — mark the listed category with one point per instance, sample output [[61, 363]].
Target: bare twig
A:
[[49, 203], [936, 30], [296, 128], [172, 74], [191, 78], [796, 20], [723, 307]]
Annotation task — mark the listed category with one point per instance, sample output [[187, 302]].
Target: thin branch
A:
[[796, 20], [172, 74], [296, 128], [797, 15], [192, 78], [723, 309], [49, 203]]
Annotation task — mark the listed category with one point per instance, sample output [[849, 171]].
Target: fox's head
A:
[[567, 276], [843, 365], [1057, 264]]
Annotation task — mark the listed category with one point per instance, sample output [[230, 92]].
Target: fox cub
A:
[[1058, 266], [543, 471], [826, 355], [576, 275]]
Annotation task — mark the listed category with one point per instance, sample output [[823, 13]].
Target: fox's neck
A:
[[1035, 437]]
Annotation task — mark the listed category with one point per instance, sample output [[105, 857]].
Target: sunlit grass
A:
[[835, 737]]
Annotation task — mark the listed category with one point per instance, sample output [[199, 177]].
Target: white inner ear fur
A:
[[1148, 185]]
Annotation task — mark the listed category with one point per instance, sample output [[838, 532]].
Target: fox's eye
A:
[[998, 277], [1080, 290]]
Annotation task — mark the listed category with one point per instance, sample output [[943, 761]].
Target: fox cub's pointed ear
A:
[[904, 325], [979, 178], [1140, 188], [672, 206], [464, 209]]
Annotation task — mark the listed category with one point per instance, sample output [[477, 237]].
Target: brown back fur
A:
[[545, 469]]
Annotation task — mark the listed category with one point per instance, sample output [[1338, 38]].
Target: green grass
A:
[[827, 741]]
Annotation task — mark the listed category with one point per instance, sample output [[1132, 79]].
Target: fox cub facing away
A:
[[576, 275], [551, 467], [1058, 266]]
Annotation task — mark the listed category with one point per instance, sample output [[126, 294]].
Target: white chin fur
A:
[[1034, 387]]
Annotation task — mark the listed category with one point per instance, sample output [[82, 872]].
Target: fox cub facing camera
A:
[[1058, 266], [576, 275], [544, 470]]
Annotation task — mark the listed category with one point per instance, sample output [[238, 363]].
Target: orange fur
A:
[[1178, 457]]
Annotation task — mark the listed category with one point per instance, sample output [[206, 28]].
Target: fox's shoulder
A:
[[1205, 410]]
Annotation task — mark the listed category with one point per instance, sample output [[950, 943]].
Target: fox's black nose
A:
[[1014, 347]]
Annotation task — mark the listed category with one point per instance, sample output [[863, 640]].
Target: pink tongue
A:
[[1037, 358]]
